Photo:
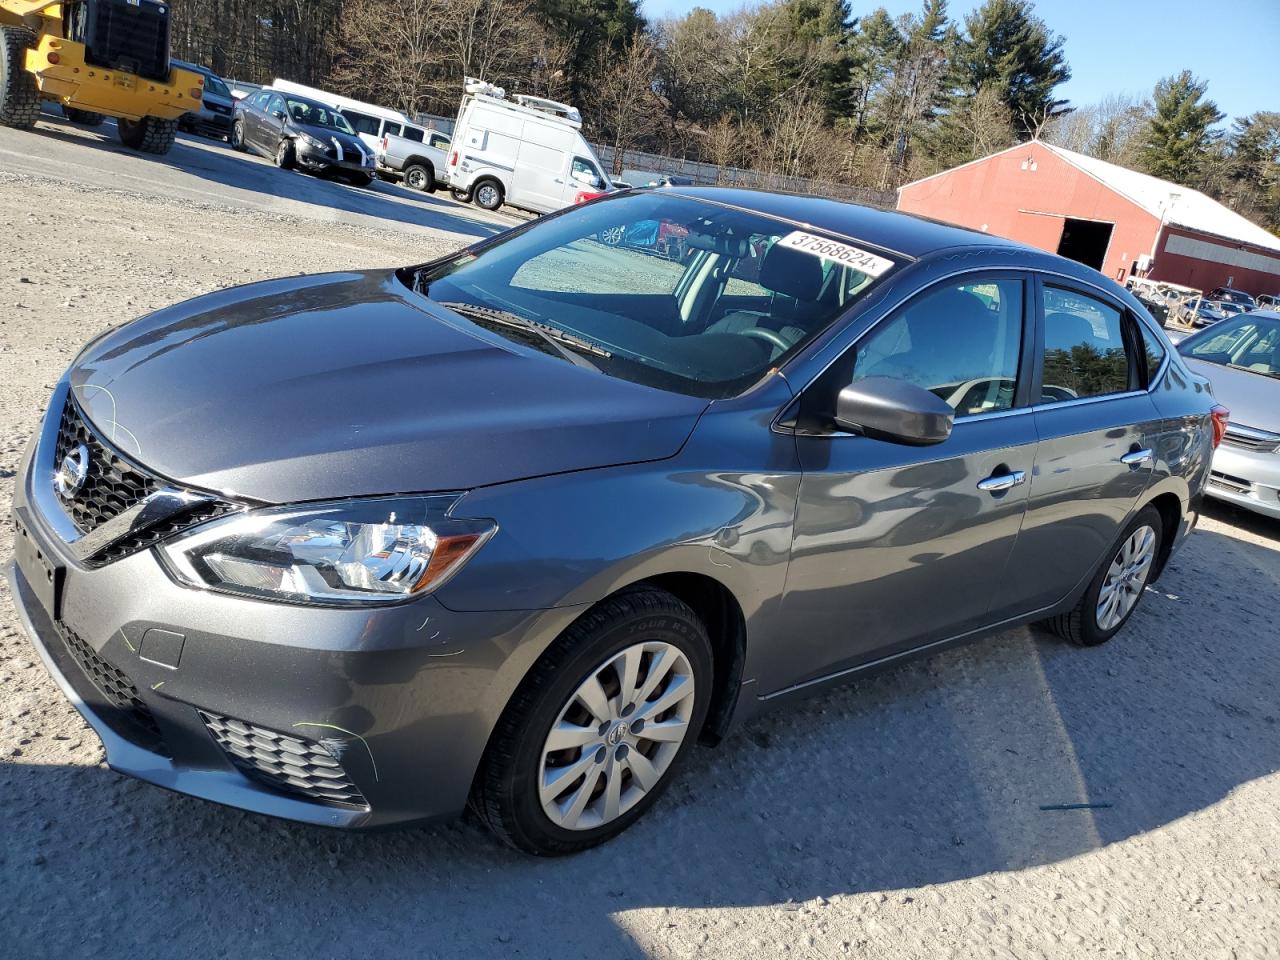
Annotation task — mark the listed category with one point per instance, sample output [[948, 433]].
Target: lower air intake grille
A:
[[114, 684], [300, 767]]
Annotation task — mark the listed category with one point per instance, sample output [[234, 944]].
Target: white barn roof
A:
[[1179, 205]]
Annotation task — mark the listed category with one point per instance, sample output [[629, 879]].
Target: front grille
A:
[[1228, 482], [1250, 438], [217, 107], [114, 684], [301, 767], [113, 484]]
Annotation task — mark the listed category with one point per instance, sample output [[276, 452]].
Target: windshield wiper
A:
[[567, 344]]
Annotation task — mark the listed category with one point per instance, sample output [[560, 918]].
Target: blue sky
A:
[[1125, 46]]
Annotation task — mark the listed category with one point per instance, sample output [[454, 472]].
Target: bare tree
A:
[[626, 109]]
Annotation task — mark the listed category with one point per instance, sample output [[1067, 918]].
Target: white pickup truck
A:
[[422, 166]]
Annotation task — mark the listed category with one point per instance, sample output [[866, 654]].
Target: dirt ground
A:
[[900, 817]]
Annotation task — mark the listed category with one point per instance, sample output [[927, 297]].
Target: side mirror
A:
[[278, 114], [887, 409], [582, 176]]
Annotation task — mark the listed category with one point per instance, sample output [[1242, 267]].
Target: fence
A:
[[710, 174]]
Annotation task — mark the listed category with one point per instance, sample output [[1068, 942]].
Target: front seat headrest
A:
[[791, 273]]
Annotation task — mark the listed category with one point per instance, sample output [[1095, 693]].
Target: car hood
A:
[[1253, 399], [347, 384]]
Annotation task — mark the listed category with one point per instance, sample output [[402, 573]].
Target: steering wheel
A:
[[769, 336]]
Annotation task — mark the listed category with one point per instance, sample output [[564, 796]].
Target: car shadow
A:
[[942, 770], [216, 162]]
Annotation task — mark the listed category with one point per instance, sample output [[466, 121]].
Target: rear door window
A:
[[1085, 349]]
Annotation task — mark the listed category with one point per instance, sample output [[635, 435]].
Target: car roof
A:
[[905, 233]]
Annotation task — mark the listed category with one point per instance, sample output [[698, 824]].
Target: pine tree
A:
[[1008, 50], [1177, 141]]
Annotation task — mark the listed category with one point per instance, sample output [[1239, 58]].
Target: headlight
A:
[[353, 551], [312, 141]]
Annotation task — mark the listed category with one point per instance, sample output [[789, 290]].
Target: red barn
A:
[[1116, 220]]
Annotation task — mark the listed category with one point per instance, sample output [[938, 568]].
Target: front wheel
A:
[[286, 155], [1118, 585], [598, 728], [148, 135], [19, 95], [360, 179]]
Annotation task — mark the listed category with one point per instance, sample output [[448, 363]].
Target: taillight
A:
[[1220, 415], [453, 159]]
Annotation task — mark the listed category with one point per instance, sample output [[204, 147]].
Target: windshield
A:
[[671, 292], [1247, 342], [314, 115], [213, 84]]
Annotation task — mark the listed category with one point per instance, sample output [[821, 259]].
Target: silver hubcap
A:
[[617, 735], [488, 196], [416, 179], [1126, 578]]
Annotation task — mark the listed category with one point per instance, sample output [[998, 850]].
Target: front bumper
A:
[[1247, 478], [334, 160], [208, 124], [402, 698]]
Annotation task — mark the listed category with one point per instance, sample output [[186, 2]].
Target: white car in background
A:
[[1241, 357]]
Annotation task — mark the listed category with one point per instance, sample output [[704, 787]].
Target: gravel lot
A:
[[900, 817]]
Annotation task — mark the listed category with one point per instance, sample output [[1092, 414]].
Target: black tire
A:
[[360, 179], [85, 118], [236, 139], [1080, 625], [19, 95], [462, 196], [286, 155], [148, 135], [421, 177], [505, 796], [487, 194]]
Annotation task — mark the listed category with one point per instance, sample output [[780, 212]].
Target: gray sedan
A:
[[1241, 356], [518, 527]]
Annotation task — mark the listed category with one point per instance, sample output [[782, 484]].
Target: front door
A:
[[1098, 428], [897, 546]]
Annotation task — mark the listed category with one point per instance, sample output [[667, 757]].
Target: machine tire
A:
[[462, 196], [286, 155], [420, 177], [85, 118], [487, 195], [148, 135], [19, 95]]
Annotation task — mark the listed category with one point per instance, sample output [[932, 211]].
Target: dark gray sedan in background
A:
[[517, 527]]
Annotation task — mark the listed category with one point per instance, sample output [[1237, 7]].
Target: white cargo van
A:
[[370, 121], [525, 151]]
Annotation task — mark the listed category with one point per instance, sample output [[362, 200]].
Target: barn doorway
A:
[[1085, 241]]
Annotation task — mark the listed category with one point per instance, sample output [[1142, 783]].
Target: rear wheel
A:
[[286, 155], [149, 135], [462, 196], [418, 176], [237, 136], [19, 95], [488, 194], [1117, 587], [86, 118], [598, 728]]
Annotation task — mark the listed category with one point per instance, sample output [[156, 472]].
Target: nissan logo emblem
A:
[[72, 472]]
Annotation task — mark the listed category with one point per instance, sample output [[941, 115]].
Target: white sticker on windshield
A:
[[828, 249]]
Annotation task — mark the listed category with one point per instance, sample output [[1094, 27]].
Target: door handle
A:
[[1135, 457], [1003, 481]]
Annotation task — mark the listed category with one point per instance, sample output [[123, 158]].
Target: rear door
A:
[[898, 546], [1098, 432]]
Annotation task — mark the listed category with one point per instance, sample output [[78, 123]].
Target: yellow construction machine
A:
[[97, 59]]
